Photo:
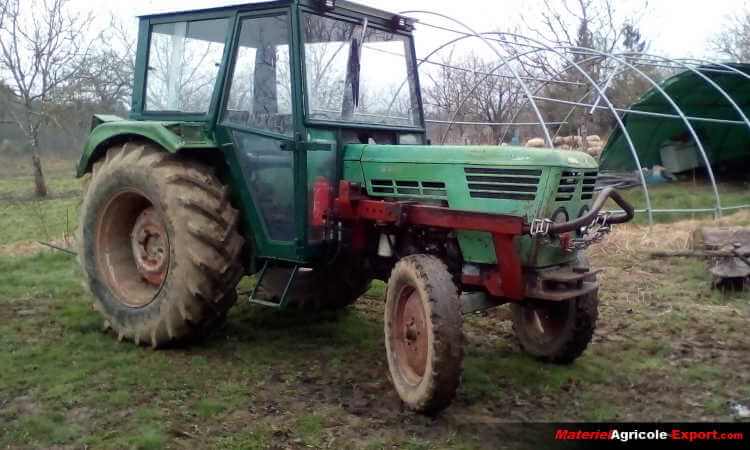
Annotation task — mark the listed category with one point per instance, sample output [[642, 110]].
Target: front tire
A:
[[556, 332], [423, 333], [159, 245]]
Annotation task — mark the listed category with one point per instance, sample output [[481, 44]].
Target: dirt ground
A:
[[668, 347]]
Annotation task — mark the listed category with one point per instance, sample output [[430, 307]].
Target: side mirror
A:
[[354, 68]]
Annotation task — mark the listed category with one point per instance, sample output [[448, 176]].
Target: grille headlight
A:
[[560, 215]]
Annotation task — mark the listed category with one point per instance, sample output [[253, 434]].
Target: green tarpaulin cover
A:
[[697, 98]]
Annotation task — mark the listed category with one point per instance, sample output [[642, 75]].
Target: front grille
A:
[[569, 181], [409, 187], [589, 182], [505, 184]]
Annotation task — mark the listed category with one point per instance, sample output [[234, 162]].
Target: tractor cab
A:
[[285, 85]]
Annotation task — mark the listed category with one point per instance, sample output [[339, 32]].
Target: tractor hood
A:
[[468, 155]]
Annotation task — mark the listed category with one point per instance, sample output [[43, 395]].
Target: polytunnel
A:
[[695, 119]]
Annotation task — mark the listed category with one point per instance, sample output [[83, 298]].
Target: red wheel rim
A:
[[132, 248], [410, 335]]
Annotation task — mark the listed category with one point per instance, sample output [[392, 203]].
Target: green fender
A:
[[172, 136]]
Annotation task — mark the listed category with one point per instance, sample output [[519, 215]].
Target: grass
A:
[[687, 195], [24, 218], [665, 338], [16, 181]]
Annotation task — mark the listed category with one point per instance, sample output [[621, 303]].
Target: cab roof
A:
[[268, 4]]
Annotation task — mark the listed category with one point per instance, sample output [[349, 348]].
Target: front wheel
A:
[[556, 332], [423, 333]]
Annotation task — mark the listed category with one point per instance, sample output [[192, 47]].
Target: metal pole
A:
[[540, 87], [720, 90], [490, 123], [500, 56], [541, 46], [426, 59], [677, 109], [641, 113]]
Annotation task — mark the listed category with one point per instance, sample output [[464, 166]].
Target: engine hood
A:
[[469, 155]]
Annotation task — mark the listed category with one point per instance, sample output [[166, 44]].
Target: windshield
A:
[[359, 74]]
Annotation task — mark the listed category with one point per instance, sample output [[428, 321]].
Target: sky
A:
[[676, 28]]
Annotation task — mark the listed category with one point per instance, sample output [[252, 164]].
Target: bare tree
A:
[[107, 76], [733, 41], [103, 85], [474, 90], [573, 26], [41, 50]]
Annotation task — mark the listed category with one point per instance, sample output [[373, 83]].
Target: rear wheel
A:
[[159, 245], [556, 332], [423, 333]]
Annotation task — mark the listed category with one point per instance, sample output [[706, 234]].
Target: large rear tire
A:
[[159, 245], [423, 333]]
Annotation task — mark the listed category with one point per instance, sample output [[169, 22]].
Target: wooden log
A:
[[724, 238]]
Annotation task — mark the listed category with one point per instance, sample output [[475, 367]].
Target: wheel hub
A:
[[150, 246], [411, 335]]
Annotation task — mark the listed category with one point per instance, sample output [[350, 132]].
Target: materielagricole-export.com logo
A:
[[562, 434]]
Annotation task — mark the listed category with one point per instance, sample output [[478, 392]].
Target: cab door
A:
[[259, 125]]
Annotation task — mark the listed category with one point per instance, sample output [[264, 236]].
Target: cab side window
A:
[[183, 64], [260, 95]]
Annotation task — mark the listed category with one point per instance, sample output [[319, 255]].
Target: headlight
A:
[[560, 216], [582, 230]]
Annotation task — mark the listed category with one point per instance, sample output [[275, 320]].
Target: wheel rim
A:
[[410, 335], [546, 322], [132, 248]]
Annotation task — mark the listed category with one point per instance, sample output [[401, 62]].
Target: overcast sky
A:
[[675, 27]]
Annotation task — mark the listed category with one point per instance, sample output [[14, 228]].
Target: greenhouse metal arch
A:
[[632, 63]]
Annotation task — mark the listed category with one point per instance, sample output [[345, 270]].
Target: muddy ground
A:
[[668, 348]]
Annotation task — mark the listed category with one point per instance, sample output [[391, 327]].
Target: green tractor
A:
[[287, 139]]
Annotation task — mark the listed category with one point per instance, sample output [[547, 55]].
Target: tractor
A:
[[287, 140]]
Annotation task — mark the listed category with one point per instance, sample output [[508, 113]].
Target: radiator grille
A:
[[589, 182], [409, 187], [569, 181], [505, 184]]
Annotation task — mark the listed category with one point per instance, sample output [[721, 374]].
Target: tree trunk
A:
[[39, 183]]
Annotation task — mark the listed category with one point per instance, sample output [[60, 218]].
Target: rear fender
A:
[[171, 136]]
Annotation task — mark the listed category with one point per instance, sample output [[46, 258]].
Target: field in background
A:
[[25, 219], [668, 347]]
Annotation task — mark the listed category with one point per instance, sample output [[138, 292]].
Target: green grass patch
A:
[[245, 440], [50, 275], [686, 195], [310, 428], [16, 180], [209, 407], [42, 220]]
